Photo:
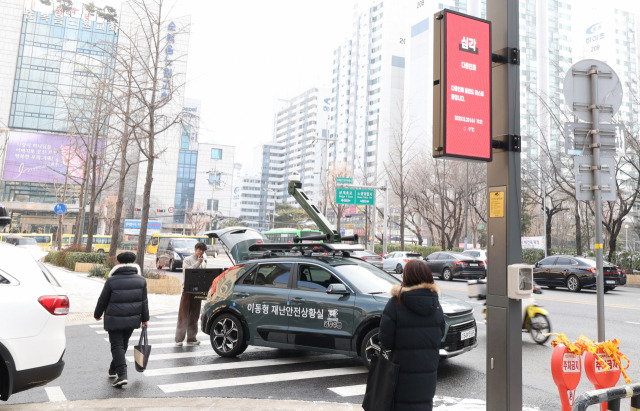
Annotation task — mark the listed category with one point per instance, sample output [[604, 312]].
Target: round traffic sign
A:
[[171, 209], [60, 208], [577, 90]]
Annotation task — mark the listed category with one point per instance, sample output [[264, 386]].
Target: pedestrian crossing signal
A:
[[137, 209], [161, 210]]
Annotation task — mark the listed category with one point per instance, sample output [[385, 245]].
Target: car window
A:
[[563, 261], [472, 253], [6, 279], [314, 278], [249, 278], [273, 275], [433, 256], [547, 261], [3, 280], [445, 256]]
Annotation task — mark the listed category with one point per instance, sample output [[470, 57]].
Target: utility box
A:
[[520, 281]]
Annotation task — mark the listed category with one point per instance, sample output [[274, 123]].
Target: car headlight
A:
[[177, 256]]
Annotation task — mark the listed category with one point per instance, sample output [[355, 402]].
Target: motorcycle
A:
[[535, 319]]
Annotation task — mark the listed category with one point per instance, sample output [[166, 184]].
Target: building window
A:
[[216, 153], [214, 179], [215, 205]]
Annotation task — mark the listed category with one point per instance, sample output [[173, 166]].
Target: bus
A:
[[152, 247], [100, 243], [286, 235], [45, 241]]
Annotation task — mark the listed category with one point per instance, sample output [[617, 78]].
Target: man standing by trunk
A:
[[189, 305]]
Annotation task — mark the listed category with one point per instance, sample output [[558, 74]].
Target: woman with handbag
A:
[[411, 327]]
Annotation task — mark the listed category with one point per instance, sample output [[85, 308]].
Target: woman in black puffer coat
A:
[[412, 326], [123, 302]]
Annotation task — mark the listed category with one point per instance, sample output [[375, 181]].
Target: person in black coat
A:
[[411, 327], [123, 302]]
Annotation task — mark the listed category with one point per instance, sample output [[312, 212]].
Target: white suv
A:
[[398, 259], [33, 310]]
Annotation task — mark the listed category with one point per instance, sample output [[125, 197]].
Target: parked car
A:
[[295, 296], [573, 273], [449, 265], [480, 254], [623, 276], [28, 243], [368, 256], [32, 327], [397, 260], [173, 250]]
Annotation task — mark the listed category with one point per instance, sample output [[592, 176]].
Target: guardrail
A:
[[611, 396]]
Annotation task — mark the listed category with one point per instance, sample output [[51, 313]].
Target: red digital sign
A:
[[465, 87]]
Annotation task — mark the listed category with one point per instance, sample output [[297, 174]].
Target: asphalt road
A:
[[283, 374]]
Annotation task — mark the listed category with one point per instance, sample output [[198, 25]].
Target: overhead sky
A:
[[244, 55]]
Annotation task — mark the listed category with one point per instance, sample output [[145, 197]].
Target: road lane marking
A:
[[592, 303], [233, 365], [55, 394], [166, 316], [150, 337], [632, 322], [350, 390], [151, 329], [152, 323], [261, 379]]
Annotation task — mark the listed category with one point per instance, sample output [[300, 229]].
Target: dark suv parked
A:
[[309, 296], [449, 265], [574, 273]]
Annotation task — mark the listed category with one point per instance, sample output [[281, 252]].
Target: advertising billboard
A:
[[132, 227], [43, 158], [462, 87]]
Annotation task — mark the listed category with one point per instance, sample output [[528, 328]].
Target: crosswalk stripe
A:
[[177, 355], [55, 394], [167, 316], [260, 379], [239, 364], [350, 390], [152, 323], [150, 337], [151, 329]]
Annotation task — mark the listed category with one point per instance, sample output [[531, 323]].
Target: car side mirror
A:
[[337, 289]]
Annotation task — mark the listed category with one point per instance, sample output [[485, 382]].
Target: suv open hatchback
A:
[[308, 296]]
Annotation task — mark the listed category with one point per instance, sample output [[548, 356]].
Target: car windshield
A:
[[185, 243], [367, 279], [414, 255]]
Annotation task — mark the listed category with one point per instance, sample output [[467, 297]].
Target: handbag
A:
[[381, 383], [141, 351]]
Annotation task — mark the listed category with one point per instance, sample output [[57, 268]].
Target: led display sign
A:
[[462, 87]]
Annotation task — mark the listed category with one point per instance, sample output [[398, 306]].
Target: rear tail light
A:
[[405, 260], [460, 263], [55, 304]]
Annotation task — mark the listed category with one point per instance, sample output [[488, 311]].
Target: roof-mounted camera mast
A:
[[295, 189]]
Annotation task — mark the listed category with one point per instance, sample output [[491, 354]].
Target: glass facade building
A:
[[185, 184], [60, 61]]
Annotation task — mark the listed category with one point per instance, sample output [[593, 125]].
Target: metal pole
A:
[[466, 209], [544, 219], [385, 235], [595, 133]]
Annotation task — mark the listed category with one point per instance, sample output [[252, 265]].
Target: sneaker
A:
[[112, 374], [194, 342], [120, 382], [179, 344]]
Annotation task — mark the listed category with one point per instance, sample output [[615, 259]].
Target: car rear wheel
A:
[[227, 336], [399, 269], [446, 274], [573, 284], [158, 266], [370, 347]]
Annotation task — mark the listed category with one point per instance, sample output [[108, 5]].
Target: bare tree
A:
[[198, 218], [330, 192]]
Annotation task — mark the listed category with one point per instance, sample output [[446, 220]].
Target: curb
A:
[[144, 404]]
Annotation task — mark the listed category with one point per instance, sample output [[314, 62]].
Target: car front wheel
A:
[[573, 284], [446, 274], [227, 336], [172, 266], [370, 347], [399, 269]]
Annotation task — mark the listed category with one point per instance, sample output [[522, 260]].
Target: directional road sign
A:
[[365, 197], [345, 196], [344, 180]]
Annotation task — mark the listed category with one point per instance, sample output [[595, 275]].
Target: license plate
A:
[[465, 335], [473, 265], [610, 282]]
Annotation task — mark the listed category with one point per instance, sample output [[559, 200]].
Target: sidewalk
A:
[[223, 404]]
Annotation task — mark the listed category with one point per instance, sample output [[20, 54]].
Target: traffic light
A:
[[161, 210], [137, 209]]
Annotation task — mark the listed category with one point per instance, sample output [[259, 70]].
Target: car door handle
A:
[[241, 295], [298, 299]]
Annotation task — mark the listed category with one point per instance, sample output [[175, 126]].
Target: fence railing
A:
[[611, 396]]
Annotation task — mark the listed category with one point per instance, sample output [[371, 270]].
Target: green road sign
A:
[[365, 197], [345, 196], [344, 180]]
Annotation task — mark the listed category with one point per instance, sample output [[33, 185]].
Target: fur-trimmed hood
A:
[[127, 266], [419, 298], [397, 289]]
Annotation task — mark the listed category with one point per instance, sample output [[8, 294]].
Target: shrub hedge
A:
[[69, 259]]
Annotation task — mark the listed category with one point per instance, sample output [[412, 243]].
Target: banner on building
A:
[[533, 242], [132, 227]]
